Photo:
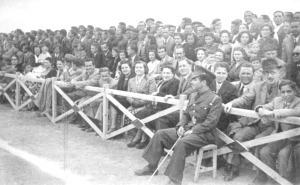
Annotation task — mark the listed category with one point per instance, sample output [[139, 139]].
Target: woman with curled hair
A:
[[225, 44], [122, 85], [239, 56], [167, 86], [266, 37], [244, 40], [142, 83]]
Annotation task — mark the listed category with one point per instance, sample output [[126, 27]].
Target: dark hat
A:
[[269, 64], [201, 70], [269, 47], [200, 48], [237, 22], [150, 19], [197, 22]]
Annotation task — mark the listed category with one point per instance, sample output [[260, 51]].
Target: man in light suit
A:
[[283, 106], [169, 41], [260, 93], [288, 45]]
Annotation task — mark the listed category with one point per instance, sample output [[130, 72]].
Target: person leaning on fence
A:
[[260, 93], [126, 74], [95, 109], [167, 86], [287, 104], [195, 127], [44, 99], [143, 84], [89, 77]]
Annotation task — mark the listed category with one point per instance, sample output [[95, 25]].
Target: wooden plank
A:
[[54, 100], [129, 115], [105, 111], [160, 114], [256, 142], [31, 79], [143, 96], [26, 103], [18, 91], [10, 101], [256, 161], [120, 131], [8, 85], [87, 119], [253, 114], [72, 103]]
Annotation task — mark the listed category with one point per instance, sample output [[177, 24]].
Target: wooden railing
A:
[[107, 95]]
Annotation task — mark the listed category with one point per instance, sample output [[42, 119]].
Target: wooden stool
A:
[[199, 168]]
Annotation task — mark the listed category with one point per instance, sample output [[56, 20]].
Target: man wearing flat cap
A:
[[196, 128], [259, 94]]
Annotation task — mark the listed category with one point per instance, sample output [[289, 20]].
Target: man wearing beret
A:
[[260, 93], [195, 127]]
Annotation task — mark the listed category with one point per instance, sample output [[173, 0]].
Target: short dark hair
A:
[[77, 62], [290, 83], [146, 69], [173, 70], [89, 60], [49, 59], [104, 69], [180, 35], [125, 62], [238, 38], [63, 32], [221, 65], [162, 47], [247, 64]]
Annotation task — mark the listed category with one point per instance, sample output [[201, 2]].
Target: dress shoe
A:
[[147, 170], [142, 145], [133, 143], [233, 173], [259, 179]]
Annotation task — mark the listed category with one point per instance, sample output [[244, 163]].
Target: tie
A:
[[270, 89], [295, 42], [242, 90], [182, 84]]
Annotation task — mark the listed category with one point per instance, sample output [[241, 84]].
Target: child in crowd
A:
[[258, 76], [254, 50]]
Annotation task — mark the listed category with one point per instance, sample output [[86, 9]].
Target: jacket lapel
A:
[[186, 82], [264, 93]]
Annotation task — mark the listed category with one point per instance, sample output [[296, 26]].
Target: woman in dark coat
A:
[[168, 86]]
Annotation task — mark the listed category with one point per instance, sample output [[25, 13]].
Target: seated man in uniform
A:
[[260, 93], [195, 127]]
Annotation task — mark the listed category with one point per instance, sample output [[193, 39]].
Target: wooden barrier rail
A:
[[107, 95]]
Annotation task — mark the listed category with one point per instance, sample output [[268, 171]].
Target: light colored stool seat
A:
[[199, 169]]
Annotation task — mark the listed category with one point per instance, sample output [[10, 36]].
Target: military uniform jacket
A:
[[202, 113]]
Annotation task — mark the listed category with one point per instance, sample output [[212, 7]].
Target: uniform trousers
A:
[[166, 138]]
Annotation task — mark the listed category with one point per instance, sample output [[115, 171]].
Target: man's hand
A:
[[188, 132], [228, 107], [264, 112], [168, 96], [180, 131]]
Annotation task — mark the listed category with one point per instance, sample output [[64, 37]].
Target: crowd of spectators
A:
[[256, 64]]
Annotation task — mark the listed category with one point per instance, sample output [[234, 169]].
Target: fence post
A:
[[18, 90], [105, 110], [54, 99], [182, 98]]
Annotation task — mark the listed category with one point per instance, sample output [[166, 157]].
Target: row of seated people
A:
[[136, 79]]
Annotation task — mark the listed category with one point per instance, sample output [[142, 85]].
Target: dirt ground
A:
[[100, 162]]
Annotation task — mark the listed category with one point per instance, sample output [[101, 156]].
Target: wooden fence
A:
[[107, 95]]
